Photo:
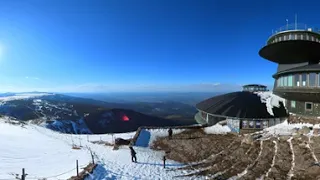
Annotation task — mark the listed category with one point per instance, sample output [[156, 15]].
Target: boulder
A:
[[120, 141], [304, 130]]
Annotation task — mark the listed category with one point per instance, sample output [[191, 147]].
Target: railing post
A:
[[23, 176], [77, 166]]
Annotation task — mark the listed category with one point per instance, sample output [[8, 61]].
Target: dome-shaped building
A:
[[246, 111], [296, 49]]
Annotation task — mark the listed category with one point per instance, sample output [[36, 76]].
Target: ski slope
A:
[[48, 154]]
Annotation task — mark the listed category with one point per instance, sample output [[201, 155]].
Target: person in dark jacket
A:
[[133, 154], [170, 133]]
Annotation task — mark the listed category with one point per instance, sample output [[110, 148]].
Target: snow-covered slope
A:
[[41, 155], [48, 154]]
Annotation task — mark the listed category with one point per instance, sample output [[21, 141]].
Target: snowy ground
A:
[[48, 154]]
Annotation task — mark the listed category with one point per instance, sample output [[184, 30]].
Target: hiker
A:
[[164, 161], [170, 133], [133, 154]]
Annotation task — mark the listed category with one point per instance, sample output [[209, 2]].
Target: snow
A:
[[42, 156], [284, 128], [48, 154], [271, 100], [23, 96], [217, 129]]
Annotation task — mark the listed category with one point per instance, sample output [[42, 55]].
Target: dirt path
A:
[[283, 160], [264, 162]]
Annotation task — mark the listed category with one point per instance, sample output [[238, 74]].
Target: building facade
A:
[[296, 50]]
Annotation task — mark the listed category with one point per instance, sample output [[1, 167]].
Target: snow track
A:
[[290, 174]]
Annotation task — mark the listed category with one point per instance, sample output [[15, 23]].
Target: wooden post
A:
[[77, 168], [23, 176], [164, 161]]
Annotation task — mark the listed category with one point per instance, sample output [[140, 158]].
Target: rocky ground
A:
[[231, 156]]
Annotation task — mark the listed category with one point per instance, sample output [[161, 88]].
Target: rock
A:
[[316, 131], [304, 130], [248, 139], [120, 141]]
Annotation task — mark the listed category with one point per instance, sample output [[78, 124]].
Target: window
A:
[[297, 80], [303, 79], [251, 124], [290, 81], [293, 104], [285, 81], [308, 106], [258, 124], [312, 38], [312, 79]]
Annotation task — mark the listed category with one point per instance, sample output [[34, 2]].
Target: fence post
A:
[[77, 168], [23, 176]]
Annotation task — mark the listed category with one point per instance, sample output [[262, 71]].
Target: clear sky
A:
[[140, 45]]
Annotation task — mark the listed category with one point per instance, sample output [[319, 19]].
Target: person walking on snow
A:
[[170, 133], [133, 154]]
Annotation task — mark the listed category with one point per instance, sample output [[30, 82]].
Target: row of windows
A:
[[295, 36], [311, 80], [254, 89]]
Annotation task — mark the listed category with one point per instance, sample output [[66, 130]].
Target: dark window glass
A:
[[312, 79], [258, 124], [308, 106], [303, 79]]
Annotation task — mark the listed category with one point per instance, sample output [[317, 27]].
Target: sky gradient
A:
[[140, 45]]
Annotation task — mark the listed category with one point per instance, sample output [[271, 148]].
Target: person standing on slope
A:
[[133, 154], [170, 133]]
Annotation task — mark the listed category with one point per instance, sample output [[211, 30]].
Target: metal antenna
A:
[[295, 24]]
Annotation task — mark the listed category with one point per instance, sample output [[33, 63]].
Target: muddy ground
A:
[[231, 156]]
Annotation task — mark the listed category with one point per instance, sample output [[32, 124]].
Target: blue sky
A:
[[140, 45]]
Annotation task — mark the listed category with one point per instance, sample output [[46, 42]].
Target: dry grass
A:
[[225, 156]]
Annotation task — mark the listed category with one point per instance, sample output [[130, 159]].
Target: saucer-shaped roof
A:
[[245, 105]]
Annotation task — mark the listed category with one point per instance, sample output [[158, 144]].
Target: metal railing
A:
[[295, 27]]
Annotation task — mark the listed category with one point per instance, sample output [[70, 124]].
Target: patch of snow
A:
[[271, 100], [317, 126], [284, 128], [217, 129]]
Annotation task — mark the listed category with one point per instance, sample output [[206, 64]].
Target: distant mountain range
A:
[[70, 114]]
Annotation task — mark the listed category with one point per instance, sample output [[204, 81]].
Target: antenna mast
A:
[[295, 23]]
